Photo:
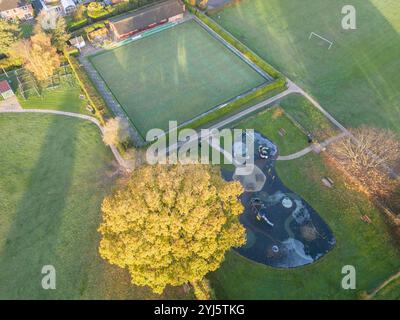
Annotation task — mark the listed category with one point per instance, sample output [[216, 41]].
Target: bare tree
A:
[[375, 148], [367, 155]]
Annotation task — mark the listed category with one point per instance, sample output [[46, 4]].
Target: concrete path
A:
[[318, 106], [296, 155], [10, 104], [384, 284], [291, 89], [121, 161], [338, 124], [238, 116], [316, 147]]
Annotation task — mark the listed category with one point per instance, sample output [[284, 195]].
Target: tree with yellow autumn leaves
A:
[[38, 55], [171, 224]]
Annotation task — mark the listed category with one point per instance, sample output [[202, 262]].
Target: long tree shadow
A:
[[356, 80], [33, 237]]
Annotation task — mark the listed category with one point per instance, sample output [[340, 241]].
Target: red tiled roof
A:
[[4, 86]]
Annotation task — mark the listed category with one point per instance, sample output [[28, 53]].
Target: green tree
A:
[[202, 4], [9, 35], [171, 224], [79, 13], [96, 9], [54, 25], [60, 36]]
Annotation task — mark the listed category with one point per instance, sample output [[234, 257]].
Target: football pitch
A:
[[175, 74]]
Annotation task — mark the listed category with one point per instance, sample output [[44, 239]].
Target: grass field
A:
[[391, 291], [55, 172], [175, 74], [307, 117], [369, 248], [357, 80], [270, 121], [64, 98], [297, 116]]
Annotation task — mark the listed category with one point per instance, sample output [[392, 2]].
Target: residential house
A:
[[16, 10]]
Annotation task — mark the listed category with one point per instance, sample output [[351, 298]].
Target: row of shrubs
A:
[[8, 64], [214, 115], [75, 25], [95, 26], [94, 97], [236, 43]]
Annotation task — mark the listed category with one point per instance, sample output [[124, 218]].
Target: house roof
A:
[[76, 40], [4, 86], [12, 4], [144, 17], [67, 3]]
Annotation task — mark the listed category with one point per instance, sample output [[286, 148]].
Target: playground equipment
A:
[[263, 151], [287, 202], [260, 210]]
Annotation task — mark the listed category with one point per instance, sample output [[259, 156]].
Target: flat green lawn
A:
[[64, 98], [269, 122], [26, 29], [297, 116], [55, 172], [390, 292], [175, 74], [367, 247], [309, 118], [358, 80]]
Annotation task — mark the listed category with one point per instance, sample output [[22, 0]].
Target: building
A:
[[69, 6], [128, 25], [5, 90], [78, 42], [16, 10], [61, 7]]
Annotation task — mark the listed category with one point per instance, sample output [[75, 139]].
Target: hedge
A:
[[72, 51], [237, 44], [213, 115], [10, 63], [278, 82], [95, 26], [75, 25], [92, 94], [103, 14]]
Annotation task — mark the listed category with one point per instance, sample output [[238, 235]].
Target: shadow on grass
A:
[[33, 237], [356, 80], [56, 213]]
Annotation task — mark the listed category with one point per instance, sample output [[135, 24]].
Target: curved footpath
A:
[[121, 161], [317, 148]]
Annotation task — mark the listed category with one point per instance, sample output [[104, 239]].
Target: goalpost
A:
[[322, 38]]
